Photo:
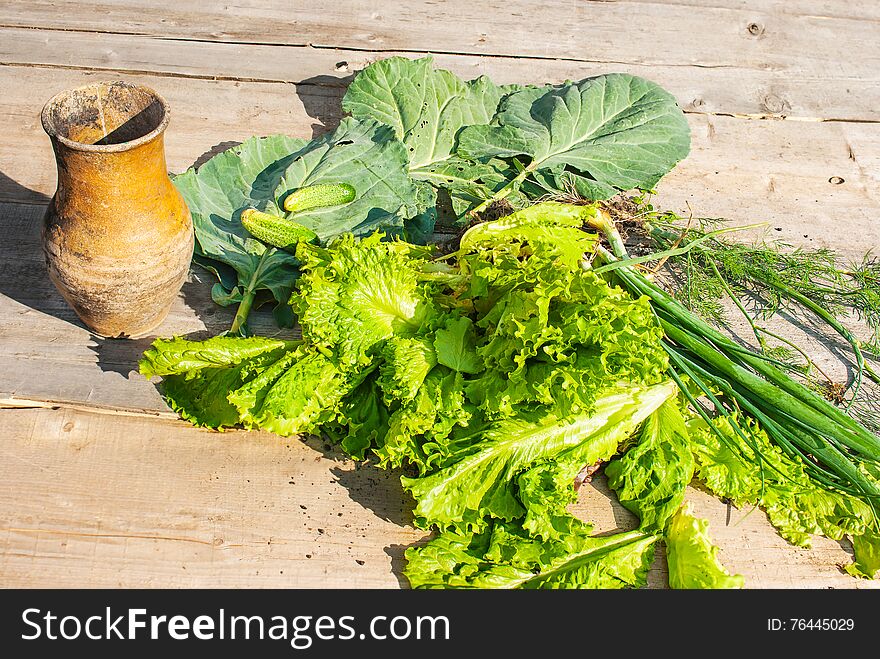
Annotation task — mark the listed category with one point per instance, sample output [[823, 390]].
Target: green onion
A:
[[732, 377]]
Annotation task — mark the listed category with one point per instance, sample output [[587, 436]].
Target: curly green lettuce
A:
[[356, 294], [492, 376], [691, 556], [795, 504], [505, 556], [480, 482], [651, 477], [866, 559]]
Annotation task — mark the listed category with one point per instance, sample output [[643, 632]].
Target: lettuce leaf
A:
[[421, 431], [455, 345], [691, 556], [505, 557], [406, 362], [795, 504], [545, 491], [651, 477], [296, 395], [362, 419], [198, 375], [481, 482], [866, 548], [359, 293], [551, 229], [180, 356]]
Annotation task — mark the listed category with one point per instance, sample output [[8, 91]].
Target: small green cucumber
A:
[[319, 196], [274, 230]]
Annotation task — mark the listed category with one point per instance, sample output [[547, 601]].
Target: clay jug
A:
[[117, 235]]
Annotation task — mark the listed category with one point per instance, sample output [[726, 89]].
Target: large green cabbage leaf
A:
[[426, 108], [617, 130]]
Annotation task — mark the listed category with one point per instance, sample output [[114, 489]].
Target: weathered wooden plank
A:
[[115, 501], [861, 10], [804, 44], [863, 149], [802, 178], [704, 90], [123, 502]]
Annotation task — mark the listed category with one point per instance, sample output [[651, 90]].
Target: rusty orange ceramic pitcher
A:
[[118, 237]]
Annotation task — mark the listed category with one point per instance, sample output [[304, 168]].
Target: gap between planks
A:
[[13, 403]]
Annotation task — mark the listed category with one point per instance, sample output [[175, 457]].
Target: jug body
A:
[[117, 235]]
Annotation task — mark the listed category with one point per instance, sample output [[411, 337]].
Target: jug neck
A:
[[113, 170]]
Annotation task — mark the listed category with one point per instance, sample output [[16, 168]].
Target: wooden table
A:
[[102, 486]]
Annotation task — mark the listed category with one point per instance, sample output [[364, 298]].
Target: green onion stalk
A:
[[732, 377]]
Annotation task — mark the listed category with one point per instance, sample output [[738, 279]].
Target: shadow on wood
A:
[[376, 489], [23, 275], [321, 96], [13, 191], [397, 554]]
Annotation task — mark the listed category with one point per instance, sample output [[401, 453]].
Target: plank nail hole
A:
[[342, 66], [836, 180], [755, 29]]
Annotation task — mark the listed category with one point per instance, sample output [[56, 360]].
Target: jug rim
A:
[[54, 133]]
